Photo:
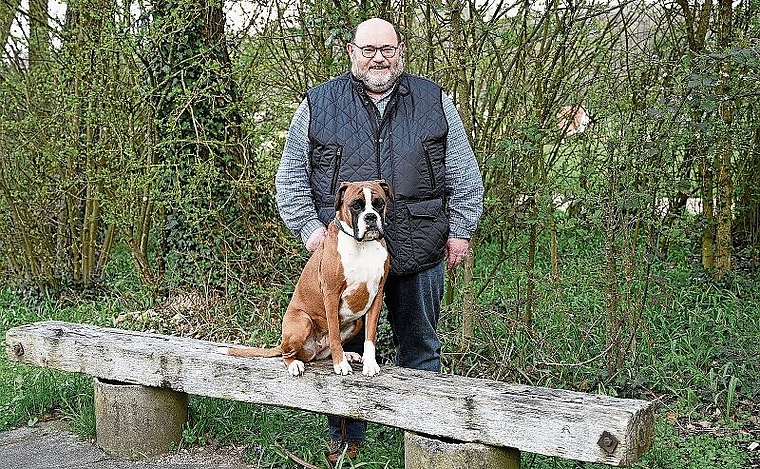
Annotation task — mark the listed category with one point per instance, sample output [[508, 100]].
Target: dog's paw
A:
[[342, 368], [371, 368], [352, 357], [296, 368]]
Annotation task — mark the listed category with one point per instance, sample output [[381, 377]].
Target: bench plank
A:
[[546, 421]]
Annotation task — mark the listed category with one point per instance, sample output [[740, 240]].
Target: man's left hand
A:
[[457, 250]]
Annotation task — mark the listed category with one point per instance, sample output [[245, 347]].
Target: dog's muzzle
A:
[[369, 227]]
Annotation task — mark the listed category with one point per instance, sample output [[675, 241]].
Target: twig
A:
[[585, 362], [295, 458]]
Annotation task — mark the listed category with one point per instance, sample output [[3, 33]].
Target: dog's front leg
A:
[[369, 361], [340, 362]]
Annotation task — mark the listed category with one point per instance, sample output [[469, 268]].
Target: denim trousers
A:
[[414, 304]]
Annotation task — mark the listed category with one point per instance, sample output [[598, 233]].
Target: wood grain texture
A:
[[546, 421]]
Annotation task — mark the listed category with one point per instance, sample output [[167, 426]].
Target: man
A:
[[378, 122]]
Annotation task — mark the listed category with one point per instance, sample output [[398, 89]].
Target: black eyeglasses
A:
[[370, 51]]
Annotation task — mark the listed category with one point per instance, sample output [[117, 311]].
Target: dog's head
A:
[[361, 206]]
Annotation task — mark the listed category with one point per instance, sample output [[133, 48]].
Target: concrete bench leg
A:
[[136, 421], [431, 453]]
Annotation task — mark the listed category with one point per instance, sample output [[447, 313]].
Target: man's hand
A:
[[457, 250], [316, 239]]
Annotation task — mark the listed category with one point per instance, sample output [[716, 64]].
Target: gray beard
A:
[[372, 84]]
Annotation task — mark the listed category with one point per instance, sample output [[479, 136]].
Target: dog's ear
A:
[[339, 195], [386, 188]]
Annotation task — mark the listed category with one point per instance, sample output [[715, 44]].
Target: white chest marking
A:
[[363, 263]]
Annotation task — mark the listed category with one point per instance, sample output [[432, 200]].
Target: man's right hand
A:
[[316, 239]]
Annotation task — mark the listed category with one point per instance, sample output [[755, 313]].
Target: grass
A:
[[694, 350], [262, 431]]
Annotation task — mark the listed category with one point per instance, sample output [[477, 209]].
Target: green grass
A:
[[694, 350], [261, 429], [29, 394]]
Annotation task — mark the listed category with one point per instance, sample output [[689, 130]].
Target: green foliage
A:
[[198, 130], [701, 450], [65, 144], [690, 333], [161, 131]]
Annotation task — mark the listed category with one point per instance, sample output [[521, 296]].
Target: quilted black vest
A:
[[350, 141]]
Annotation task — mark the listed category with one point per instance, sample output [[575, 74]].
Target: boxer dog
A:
[[341, 283]]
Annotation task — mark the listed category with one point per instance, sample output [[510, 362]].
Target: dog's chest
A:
[[363, 267]]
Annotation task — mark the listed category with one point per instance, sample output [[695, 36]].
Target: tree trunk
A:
[[708, 212], [199, 133], [468, 307], [697, 19], [85, 236], [725, 188], [39, 41], [530, 268], [554, 242], [8, 9], [463, 102], [612, 223], [748, 204]]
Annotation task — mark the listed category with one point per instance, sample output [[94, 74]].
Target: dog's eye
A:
[[357, 204], [379, 204]]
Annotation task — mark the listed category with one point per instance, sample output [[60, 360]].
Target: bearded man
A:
[[379, 122]]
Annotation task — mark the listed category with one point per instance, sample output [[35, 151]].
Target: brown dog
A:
[[342, 282]]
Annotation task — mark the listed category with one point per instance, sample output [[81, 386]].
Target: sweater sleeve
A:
[[293, 192], [465, 184]]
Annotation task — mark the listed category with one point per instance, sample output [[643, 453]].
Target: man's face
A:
[[378, 73]]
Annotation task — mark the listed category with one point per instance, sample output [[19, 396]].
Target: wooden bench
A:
[[439, 412]]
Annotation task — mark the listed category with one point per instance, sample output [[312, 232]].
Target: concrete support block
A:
[[431, 453], [137, 422]]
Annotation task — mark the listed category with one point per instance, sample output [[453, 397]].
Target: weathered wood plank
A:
[[539, 420]]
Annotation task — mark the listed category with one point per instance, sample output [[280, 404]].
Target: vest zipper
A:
[[381, 122], [378, 124], [426, 147], [378, 144], [336, 169]]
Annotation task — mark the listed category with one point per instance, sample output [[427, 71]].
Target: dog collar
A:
[[337, 223], [340, 227]]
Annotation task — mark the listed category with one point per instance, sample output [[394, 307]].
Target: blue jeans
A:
[[414, 306]]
